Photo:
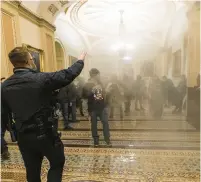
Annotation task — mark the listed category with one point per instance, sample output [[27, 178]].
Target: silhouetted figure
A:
[[181, 89], [167, 89], [128, 84], [115, 96], [139, 89], [156, 98], [79, 100]]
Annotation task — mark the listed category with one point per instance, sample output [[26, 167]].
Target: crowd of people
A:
[[153, 95], [104, 97]]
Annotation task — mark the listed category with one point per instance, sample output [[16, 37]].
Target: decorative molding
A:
[[13, 25], [3, 45], [66, 10], [53, 9], [50, 52], [9, 37], [63, 2], [26, 13], [14, 31]]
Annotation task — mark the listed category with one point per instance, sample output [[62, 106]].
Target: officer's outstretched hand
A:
[[82, 56]]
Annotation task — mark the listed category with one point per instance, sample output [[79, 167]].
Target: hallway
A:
[[143, 151], [149, 49]]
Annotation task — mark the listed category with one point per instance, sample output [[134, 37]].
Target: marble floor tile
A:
[[157, 151], [137, 135], [143, 125], [87, 164]]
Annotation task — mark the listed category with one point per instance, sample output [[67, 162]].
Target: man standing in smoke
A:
[[97, 105], [128, 92]]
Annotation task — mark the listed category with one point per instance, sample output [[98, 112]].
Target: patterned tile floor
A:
[[137, 135], [143, 151], [138, 125], [118, 165], [141, 117]]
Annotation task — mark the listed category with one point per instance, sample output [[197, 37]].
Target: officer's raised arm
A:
[[58, 79]]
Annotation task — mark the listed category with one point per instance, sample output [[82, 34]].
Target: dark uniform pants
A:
[[33, 151]]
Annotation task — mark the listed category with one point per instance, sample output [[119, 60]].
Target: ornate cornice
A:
[[28, 14]]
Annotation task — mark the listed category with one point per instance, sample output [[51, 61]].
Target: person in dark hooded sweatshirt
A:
[[97, 106]]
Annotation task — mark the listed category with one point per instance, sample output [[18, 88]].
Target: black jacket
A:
[[27, 91], [96, 95], [67, 93]]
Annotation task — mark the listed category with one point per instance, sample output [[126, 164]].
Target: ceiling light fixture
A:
[[121, 46], [127, 58]]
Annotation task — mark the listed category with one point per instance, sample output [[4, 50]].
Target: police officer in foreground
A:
[[27, 94]]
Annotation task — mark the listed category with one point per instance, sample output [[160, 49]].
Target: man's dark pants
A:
[[33, 151], [103, 115], [128, 99], [67, 109], [79, 104]]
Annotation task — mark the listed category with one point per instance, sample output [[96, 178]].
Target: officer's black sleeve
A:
[[56, 80]]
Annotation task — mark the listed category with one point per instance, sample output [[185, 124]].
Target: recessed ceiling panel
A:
[[103, 17]]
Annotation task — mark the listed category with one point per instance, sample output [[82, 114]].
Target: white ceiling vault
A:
[[143, 28]]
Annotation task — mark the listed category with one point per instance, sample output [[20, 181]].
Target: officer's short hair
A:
[[93, 72], [19, 55]]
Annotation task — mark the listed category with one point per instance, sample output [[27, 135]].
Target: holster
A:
[[44, 125], [47, 128]]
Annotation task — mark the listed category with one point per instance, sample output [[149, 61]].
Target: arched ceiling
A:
[[147, 26], [53, 12], [72, 40]]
